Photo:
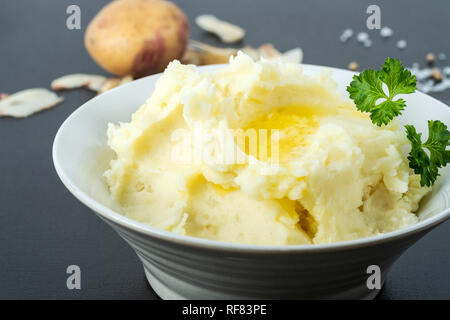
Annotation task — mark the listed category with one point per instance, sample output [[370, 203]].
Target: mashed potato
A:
[[260, 153]]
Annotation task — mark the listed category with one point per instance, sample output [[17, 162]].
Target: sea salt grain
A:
[[425, 86], [442, 56], [431, 79], [362, 37], [367, 43], [346, 34], [386, 32], [402, 44], [444, 85], [446, 71], [421, 74]]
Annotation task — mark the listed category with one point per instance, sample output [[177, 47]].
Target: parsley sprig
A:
[[366, 90], [436, 144]]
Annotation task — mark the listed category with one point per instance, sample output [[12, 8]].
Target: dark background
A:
[[44, 229]]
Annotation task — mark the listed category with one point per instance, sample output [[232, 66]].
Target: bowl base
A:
[[166, 293], [162, 290]]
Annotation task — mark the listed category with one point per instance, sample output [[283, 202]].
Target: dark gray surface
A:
[[43, 229]]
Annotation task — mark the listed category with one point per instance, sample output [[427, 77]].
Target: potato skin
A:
[[137, 37]]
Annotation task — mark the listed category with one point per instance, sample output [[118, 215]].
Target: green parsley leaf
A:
[[422, 163], [398, 79], [367, 88]]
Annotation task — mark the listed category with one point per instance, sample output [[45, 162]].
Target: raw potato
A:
[[25, 103], [137, 37]]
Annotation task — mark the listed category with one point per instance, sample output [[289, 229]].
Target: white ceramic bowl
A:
[[180, 267]]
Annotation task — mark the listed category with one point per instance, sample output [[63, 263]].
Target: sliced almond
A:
[[126, 79], [214, 58], [226, 31], [201, 58], [79, 80], [26, 102], [292, 56], [109, 84], [114, 82], [200, 53], [203, 47], [192, 57], [267, 50], [252, 52]]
